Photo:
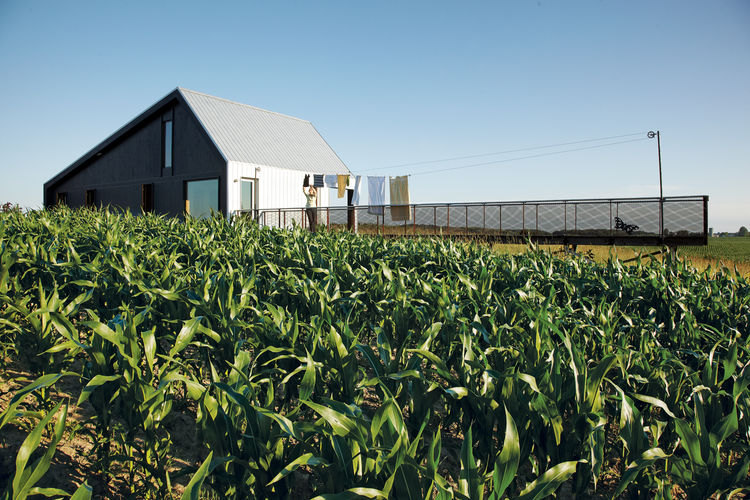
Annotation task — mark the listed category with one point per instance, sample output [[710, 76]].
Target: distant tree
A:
[[742, 232], [10, 207]]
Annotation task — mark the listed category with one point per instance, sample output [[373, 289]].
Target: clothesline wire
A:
[[507, 160], [518, 150]]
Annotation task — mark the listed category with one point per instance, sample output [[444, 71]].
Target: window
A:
[[201, 197], [90, 198], [147, 198], [247, 194], [167, 143], [62, 198]]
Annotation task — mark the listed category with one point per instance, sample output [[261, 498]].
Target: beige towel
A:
[[343, 181], [400, 210]]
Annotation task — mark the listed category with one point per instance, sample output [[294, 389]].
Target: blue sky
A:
[[394, 83]]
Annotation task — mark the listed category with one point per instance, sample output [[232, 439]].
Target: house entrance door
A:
[[247, 196]]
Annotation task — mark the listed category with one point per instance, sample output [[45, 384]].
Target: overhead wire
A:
[[518, 150], [507, 160]]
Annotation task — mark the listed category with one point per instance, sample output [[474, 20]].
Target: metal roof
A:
[[247, 134]]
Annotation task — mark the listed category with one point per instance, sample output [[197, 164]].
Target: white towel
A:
[[376, 194], [357, 190]]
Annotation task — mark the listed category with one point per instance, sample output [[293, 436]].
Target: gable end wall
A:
[[135, 159]]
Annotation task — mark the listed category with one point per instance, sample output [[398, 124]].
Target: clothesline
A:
[[398, 191]]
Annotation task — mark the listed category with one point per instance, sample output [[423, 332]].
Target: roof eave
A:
[[175, 94]]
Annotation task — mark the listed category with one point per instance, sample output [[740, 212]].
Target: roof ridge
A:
[[183, 90]]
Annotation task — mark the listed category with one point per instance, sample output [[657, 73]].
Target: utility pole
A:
[[651, 135]]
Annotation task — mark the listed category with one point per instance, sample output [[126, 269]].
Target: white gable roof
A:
[[252, 135]]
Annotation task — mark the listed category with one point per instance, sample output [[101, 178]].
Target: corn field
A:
[[336, 366]]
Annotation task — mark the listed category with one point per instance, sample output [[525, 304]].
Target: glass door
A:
[[247, 196]]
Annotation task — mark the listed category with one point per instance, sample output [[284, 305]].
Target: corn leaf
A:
[[547, 483], [506, 464], [193, 489], [470, 481], [306, 459]]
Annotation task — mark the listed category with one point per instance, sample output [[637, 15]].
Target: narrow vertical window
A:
[[62, 198], [90, 198], [166, 139]]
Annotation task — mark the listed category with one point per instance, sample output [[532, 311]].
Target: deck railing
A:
[[678, 220]]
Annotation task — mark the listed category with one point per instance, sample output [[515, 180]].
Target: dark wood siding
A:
[[118, 171]]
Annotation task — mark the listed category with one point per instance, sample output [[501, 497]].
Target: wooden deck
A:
[[672, 221]]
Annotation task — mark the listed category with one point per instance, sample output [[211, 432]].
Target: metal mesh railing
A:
[[672, 220]]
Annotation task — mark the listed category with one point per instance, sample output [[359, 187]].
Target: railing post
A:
[[610, 217], [466, 208], [501, 219], [575, 217], [661, 218], [434, 219], [414, 218], [705, 220], [537, 218], [448, 225], [523, 218], [565, 218], [484, 217], [350, 215]]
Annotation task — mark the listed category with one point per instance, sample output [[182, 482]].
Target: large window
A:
[[201, 197], [247, 194], [167, 143]]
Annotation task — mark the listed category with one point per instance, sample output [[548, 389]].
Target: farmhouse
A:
[[193, 153]]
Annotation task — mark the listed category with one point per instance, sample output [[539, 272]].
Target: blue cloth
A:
[[318, 180], [357, 190]]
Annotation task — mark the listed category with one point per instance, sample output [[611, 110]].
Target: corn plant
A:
[[31, 464], [359, 366]]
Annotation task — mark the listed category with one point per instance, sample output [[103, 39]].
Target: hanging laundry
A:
[[343, 181], [357, 190], [306, 182], [318, 181], [400, 209], [331, 181], [376, 195]]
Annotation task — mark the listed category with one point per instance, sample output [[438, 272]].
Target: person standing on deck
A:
[[311, 196]]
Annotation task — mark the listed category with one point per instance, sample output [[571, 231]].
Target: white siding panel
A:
[[282, 188], [276, 188]]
